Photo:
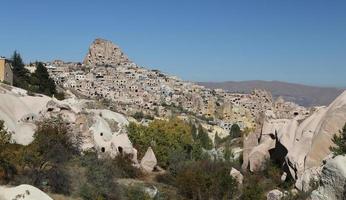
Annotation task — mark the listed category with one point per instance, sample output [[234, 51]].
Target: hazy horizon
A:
[[297, 41]]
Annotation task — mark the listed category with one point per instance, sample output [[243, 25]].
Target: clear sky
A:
[[301, 41]]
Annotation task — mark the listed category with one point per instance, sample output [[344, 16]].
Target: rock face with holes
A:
[[103, 52], [19, 110], [103, 130], [299, 144], [22, 192]]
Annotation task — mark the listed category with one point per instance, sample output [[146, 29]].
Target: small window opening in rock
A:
[[120, 149], [272, 136], [295, 113], [101, 134], [50, 109], [27, 118], [103, 149]]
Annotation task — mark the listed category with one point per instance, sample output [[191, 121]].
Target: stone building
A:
[[6, 73]]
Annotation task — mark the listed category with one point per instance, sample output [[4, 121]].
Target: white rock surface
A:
[[237, 175], [306, 141], [19, 111], [275, 195], [149, 161], [333, 180], [22, 192]]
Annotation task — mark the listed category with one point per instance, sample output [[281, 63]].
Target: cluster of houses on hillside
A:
[[133, 89]]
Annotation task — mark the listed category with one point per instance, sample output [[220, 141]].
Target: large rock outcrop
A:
[[103, 52], [300, 143], [19, 110], [103, 130], [22, 192], [333, 180]]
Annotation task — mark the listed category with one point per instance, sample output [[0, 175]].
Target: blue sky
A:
[[302, 41]]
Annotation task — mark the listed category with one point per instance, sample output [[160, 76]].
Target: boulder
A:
[[237, 175], [308, 178], [275, 195], [333, 180], [149, 161], [22, 192]]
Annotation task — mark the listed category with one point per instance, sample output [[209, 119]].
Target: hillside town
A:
[[108, 74], [114, 107]]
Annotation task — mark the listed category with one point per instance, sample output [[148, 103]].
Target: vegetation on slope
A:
[[340, 143], [37, 82]]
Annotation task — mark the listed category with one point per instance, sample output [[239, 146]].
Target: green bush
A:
[[206, 180], [235, 131], [204, 139], [136, 193], [100, 177], [46, 156], [163, 136], [340, 143], [253, 188]]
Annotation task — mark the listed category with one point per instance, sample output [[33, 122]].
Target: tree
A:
[[7, 169], [204, 139], [47, 155], [20, 74], [163, 136], [41, 81], [235, 131], [340, 143]]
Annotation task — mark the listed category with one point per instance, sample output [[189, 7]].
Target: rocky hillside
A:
[[104, 52], [301, 94], [299, 144]]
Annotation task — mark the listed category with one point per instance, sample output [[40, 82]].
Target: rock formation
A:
[[275, 195], [103, 130], [103, 52], [301, 143], [237, 175], [333, 180], [149, 161], [22, 192]]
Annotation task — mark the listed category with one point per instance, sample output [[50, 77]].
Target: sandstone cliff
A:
[[103, 52], [299, 143]]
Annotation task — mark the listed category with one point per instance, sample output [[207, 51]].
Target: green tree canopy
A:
[[340, 143], [204, 139], [163, 136], [20, 74], [235, 131], [41, 81]]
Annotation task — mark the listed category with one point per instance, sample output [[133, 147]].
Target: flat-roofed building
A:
[[6, 73]]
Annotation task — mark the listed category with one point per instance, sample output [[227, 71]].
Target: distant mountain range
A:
[[301, 94]]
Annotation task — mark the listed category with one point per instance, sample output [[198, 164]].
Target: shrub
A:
[[136, 193], [163, 136], [206, 180], [204, 139], [340, 143], [46, 156], [235, 131], [100, 178], [252, 189]]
